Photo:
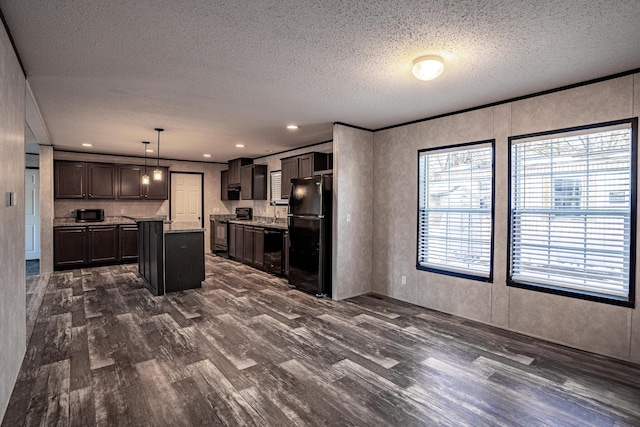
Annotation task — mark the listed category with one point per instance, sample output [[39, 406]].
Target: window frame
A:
[[560, 289], [457, 272]]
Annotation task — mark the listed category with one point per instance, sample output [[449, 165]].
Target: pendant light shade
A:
[[157, 173], [145, 177]]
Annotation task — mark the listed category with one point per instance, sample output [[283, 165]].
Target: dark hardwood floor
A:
[[247, 350]]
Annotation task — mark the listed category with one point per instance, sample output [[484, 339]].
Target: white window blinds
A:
[[571, 210], [455, 209]]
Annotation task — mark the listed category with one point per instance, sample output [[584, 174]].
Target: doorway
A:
[[186, 203], [32, 218]]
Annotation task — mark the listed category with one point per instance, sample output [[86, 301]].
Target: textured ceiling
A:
[[217, 73]]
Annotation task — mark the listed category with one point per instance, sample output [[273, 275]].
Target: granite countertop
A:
[[261, 223], [110, 220], [147, 218], [183, 227]]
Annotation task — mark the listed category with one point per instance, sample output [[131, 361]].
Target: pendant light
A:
[[145, 177], [157, 173]]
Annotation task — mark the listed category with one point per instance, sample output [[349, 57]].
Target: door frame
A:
[[201, 193]]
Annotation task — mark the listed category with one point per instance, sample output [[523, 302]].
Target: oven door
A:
[[221, 235]]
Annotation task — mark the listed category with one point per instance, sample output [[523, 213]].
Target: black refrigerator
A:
[[309, 221]]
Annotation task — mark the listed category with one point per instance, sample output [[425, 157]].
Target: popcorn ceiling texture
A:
[[215, 73]]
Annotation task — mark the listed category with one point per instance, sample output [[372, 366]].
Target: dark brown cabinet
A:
[[247, 253], [101, 180], [302, 166], [285, 253], [130, 183], [103, 244], [84, 180], [235, 166], [69, 180], [128, 239], [253, 182], [70, 247], [83, 246], [232, 240], [80, 180], [258, 247], [224, 185], [236, 242]]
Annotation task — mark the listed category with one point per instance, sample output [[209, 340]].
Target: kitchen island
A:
[[170, 255]]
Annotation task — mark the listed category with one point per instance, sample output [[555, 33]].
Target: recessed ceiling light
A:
[[427, 67], [86, 144], [240, 145], [206, 155], [292, 127], [149, 150]]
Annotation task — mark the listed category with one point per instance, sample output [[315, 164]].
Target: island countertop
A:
[[172, 226]]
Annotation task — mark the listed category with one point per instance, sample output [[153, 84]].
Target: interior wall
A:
[[352, 211], [46, 209], [12, 220], [596, 327]]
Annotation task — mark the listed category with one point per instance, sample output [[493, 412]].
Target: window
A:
[[572, 212], [276, 185], [455, 212]]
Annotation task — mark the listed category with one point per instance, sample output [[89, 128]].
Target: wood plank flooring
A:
[[247, 350]]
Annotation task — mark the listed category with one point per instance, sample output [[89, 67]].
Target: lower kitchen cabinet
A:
[[103, 244], [85, 246], [128, 239], [247, 253], [70, 247], [258, 247], [254, 246]]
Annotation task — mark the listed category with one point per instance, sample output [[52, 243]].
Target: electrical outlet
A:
[[403, 280]]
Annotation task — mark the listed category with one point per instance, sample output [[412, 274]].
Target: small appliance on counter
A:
[[243, 214], [89, 215], [309, 221]]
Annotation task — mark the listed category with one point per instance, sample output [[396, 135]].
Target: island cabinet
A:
[[80, 180], [85, 246], [302, 166], [253, 182], [130, 183], [170, 256]]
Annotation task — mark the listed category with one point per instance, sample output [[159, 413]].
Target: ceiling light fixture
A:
[[149, 150], [292, 127], [206, 155], [86, 144], [427, 67], [240, 145], [145, 177], [157, 173]]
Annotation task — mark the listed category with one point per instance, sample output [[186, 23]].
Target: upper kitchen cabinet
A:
[[253, 182], [302, 166], [130, 184], [80, 180], [69, 180], [157, 190], [225, 194], [235, 171]]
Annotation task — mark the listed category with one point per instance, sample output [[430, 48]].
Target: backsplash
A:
[[66, 208]]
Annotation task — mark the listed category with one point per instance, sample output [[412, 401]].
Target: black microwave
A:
[[89, 215]]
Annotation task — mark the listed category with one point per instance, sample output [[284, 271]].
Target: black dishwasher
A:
[[273, 251]]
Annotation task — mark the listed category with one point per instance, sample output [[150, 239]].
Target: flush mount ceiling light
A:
[[240, 145], [206, 155], [86, 144], [292, 127], [145, 177], [427, 67], [157, 173]]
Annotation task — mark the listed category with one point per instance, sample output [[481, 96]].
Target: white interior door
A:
[[186, 197], [32, 213]]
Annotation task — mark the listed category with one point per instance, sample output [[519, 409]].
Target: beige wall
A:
[[596, 327], [46, 209], [352, 211], [12, 220]]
